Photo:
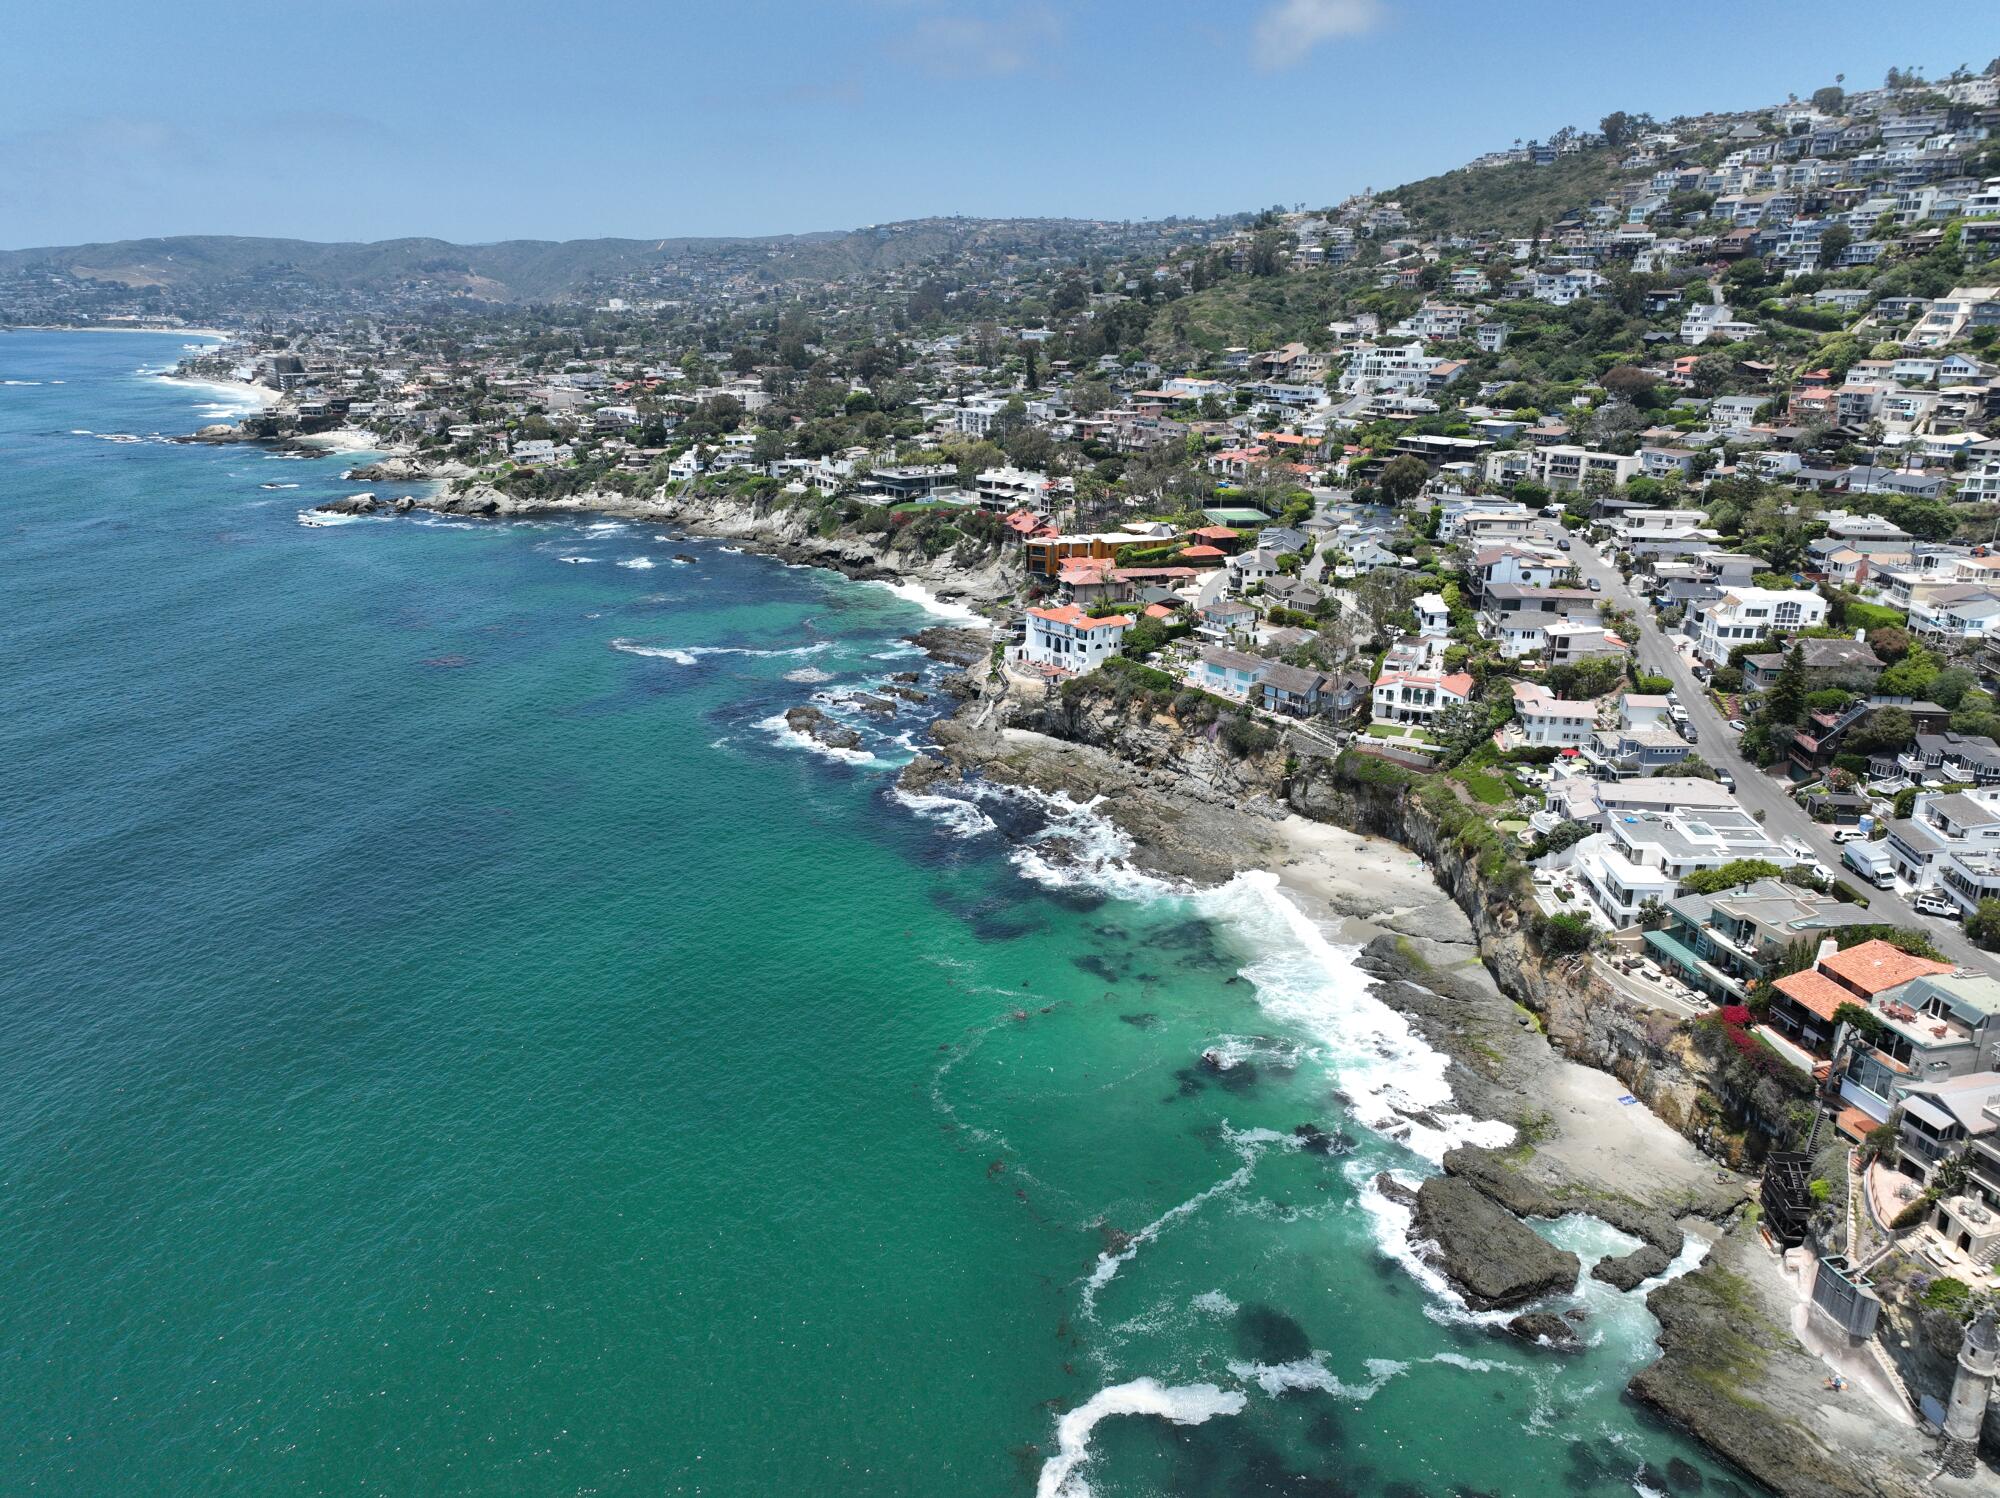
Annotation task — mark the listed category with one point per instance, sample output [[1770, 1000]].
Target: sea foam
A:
[[1186, 1404]]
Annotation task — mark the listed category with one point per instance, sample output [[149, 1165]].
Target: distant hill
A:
[[526, 270]]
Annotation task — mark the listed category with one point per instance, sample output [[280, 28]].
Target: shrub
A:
[[1910, 1216], [1243, 734], [1559, 935], [1742, 871], [1947, 1294]]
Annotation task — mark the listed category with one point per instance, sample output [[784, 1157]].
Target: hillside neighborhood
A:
[[1633, 493]]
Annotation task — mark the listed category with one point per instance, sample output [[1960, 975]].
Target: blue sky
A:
[[365, 119]]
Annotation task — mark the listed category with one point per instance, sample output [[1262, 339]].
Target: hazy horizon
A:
[[478, 123]]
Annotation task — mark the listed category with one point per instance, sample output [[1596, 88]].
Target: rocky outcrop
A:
[[407, 468], [1493, 1258], [1731, 1372], [1546, 1329], [1499, 1181], [972, 571], [353, 504], [1629, 1271], [817, 726], [952, 645]]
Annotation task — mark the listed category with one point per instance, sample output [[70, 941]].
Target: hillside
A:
[[530, 270], [1507, 200]]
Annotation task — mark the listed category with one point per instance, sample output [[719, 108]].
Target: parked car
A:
[[1689, 733], [1596, 586], [1563, 545], [1726, 780], [1930, 902], [1847, 834], [1737, 725]]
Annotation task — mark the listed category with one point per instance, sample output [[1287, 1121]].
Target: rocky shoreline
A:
[[1581, 1146], [1579, 1149]]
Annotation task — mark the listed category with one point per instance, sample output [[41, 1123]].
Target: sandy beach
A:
[[341, 440], [235, 390]]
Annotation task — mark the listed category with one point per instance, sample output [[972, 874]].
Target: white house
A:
[[1642, 856], [1068, 639], [1433, 618], [540, 452], [1547, 720], [1718, 625], [1418, 696]]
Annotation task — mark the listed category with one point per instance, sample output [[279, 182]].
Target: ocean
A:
[[458, 1040]]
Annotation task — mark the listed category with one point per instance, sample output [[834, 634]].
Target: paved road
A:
[[1757, 791]]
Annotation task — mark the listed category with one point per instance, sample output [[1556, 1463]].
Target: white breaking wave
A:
[[687, 655], [808, 674], [1187, 1404], [1301, 977], [1250, 1144], [579, 561], [1390, 1223], [791, 738], [1079, 847], [953, 813], [1214, 1303], [1311, 1373], [639, 564], [924, 598]]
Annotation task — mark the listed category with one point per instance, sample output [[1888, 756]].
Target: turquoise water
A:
[[456, 1042]]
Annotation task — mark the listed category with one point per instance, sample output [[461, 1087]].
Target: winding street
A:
[[1760, 793]]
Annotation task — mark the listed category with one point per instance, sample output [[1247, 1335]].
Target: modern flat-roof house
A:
[[1940, 825], [1046, 554], [1641, 857], [1516, 616], [1570, 641], [1724, 943], [1583, 798]]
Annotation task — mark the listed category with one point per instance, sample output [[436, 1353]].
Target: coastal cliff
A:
[[1677, 1070], [967, 569], [1731, 1371]]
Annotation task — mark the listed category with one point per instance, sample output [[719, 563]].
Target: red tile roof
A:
[[1076, 618], [1874, 966], [1814, 991]]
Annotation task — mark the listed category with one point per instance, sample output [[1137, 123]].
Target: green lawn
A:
[[1399, 731], [1488, 790]]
